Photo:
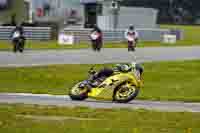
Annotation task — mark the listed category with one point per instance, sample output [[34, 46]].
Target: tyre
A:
[[125, 93], [15, 48], [18, 46], [77, 93], [21, 48], [21, 45]]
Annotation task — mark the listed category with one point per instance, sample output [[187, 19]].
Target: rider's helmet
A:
[[96, 28], [123, 67], [19, 28], [131, 27]]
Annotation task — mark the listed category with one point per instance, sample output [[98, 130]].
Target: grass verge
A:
[[162, 80], [51, 45], [42, 45], [13, 119]]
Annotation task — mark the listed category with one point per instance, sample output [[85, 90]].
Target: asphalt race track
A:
[[65, 101], [86, 56]]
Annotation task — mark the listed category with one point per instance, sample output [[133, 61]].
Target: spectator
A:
[[13, 20], [46, 8]]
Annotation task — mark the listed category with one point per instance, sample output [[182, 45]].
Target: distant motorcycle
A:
[[18, 42], [131, 42], [96, 40], [19, 45], [120, 87]]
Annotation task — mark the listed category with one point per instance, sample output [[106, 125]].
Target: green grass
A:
[[162, 80], [47, 45], [36, 45], [17, 7], [42, 45], [13, 120]]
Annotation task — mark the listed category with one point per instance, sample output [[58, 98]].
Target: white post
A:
[[115, 13], [30, 11]]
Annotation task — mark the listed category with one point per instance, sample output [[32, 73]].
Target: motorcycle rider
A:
[[16, 35], [130, 67], [106, 72], [131, 32], [97, 40]]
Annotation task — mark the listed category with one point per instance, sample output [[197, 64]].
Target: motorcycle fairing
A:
[[105, 89]]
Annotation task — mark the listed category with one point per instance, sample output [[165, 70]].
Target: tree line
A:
[[171, 11]]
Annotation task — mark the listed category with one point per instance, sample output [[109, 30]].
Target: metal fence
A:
[[82, 35], [31, 33], [118, 35]]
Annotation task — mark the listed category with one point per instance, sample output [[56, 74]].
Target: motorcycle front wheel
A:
[[125, 93], [77, 93]]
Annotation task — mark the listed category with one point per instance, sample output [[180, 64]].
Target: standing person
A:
[[13, 20], [96, 38], [18, 39], [47, 8], [132, 37]]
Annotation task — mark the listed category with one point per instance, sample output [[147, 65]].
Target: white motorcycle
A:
[[96, 42], [131, 42]]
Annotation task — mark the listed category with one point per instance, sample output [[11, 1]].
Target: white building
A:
[[89, 12]]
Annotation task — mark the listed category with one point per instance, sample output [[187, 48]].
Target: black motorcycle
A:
[[18, 44]]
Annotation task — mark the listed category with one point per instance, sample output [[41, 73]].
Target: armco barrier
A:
[[31, 33], [118, 35], [45, 33]]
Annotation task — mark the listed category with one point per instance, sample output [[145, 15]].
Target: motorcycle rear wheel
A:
[[77, 93], [125, 93]]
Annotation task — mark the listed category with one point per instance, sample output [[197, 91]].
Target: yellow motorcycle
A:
[[121, 87]]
